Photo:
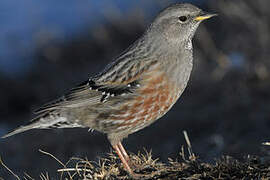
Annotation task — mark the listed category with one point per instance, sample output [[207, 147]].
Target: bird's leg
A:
[[125, 158], [122, 149], [122, 158]]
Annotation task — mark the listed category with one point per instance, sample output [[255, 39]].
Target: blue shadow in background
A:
[[22, 23]]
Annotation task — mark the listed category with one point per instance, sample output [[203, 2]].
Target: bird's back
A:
[[139, 87]]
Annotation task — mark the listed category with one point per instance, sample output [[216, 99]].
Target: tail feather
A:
[[20, 130], [42, 123]]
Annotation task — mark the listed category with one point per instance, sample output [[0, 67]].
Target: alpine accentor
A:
[[138, 88]]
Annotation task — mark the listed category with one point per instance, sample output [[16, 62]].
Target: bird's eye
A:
[[182, 18]]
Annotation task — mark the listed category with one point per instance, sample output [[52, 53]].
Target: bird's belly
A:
[[155, 98]]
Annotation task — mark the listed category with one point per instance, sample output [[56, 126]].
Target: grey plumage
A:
[[138, 88], [164, 44]]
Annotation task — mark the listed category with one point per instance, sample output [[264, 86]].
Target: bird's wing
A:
[[121, 77], [88, 93]]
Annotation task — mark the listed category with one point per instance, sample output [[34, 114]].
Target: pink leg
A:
[[122, 149], [122, 158]]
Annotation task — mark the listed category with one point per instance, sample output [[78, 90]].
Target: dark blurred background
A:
[[47, 47]]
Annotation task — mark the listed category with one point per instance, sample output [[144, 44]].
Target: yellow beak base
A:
[[204, 17]]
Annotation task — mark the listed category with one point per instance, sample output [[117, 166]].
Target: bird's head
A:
[[179, 22]]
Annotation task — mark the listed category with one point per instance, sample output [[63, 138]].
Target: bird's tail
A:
[[39, 123], [20, 130]]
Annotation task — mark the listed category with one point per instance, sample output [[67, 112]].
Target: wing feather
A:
[[121, 77], [88, 93]]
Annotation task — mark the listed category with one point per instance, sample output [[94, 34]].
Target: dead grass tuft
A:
[[187, 167]]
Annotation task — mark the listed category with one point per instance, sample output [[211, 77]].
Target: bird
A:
[[136, 89]]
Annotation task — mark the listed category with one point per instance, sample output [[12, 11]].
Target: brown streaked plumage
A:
[[138, 88]]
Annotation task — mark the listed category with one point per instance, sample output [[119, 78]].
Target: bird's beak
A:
[[203, 16]]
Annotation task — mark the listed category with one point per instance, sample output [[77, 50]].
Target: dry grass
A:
[[111, 168], [188, 167]]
